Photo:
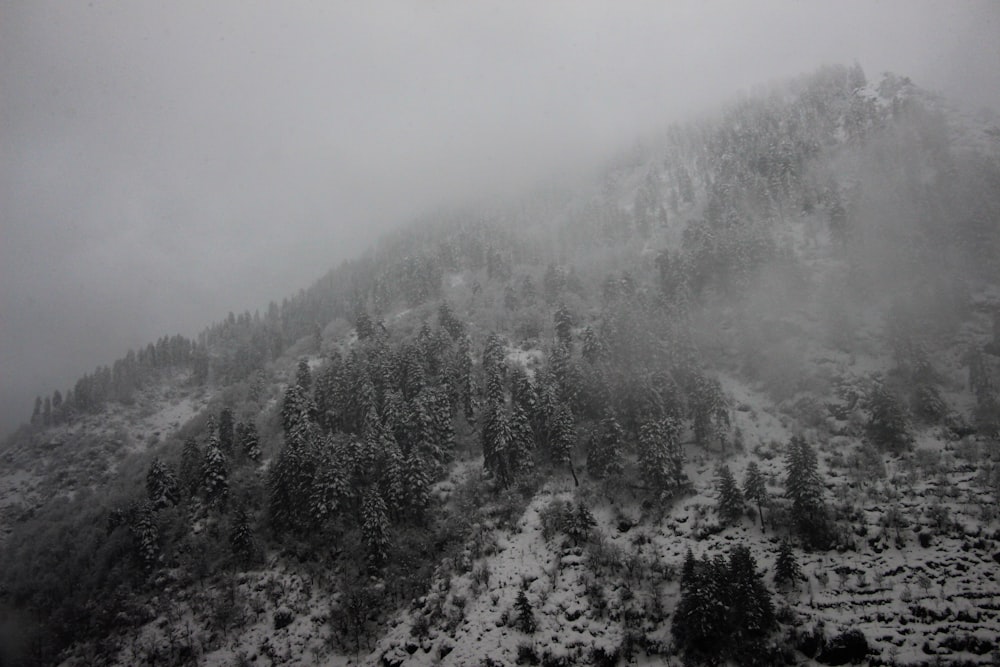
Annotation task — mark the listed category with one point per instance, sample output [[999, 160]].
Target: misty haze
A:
[[505, 333]]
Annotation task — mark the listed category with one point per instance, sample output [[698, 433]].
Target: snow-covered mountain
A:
[[734, 400]]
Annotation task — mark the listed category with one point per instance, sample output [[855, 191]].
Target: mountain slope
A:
[[500, 436]]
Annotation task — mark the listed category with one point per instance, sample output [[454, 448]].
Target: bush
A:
[[283, 617], [850, 646], [553, 517], [527, 655]]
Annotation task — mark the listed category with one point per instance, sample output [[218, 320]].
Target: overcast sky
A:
[[163, 163]]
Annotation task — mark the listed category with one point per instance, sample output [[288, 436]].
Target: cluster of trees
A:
[[808, 515], [725, 611], [119, 381], [200, 479], [365, 438]]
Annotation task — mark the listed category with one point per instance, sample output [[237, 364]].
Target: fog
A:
[[162, 164]]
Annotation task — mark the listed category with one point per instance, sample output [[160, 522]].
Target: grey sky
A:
[[164, 163]]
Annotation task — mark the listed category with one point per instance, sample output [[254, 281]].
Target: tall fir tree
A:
[[729, 505], [215, 472], [563, 439], [375, 527], [162, 488], [605, 457], [661, 459], [525, 614], [804, 489], [226, 431], [755, 489], [241, 538], [563, 321], [250, 442], [786, 568], [497, 438], [191, 464]]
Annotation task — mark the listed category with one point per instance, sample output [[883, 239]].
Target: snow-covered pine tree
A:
[[241, 538], [522, 442], [494, 367], [709, 411], [466, 381], [161, 485], [729, 505], [522, 391], [146, 535], [594, 349], [375, 526], [391, 468], [329, 488], [579, 522], [250, 441], [416, 484], [525, 621], [563, 438], [804, 488], [190, 468], [497, 440], [751, 613], [226, 431], [786, 568], [303, 376], [605, 457], [755, 489], [215, 472], [660, 457], [448, 321], [563, 321], [888, 425]]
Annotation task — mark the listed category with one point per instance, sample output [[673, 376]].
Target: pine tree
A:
[[786, 569], [226, 431], [563, 438], [725, 610], [730, 502], [660, 457], [553, 282], [146, 535], [329, 487], [448, 321], [416, 485], [699, 625], [888, 426], [36, 415], [375, 527], [525, 615], [215, 472], [522, 442], [241, 538], [755, 489], [563, 321], [709, 411], [161, 486], [594, 349], [497, 440], [191, 465], [250, 442], [579, 523], [751, 613], [804, 488], [605, 457], [564, 372], [291, 475]]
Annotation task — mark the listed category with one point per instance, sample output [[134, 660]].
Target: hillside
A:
[[735, 400]]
